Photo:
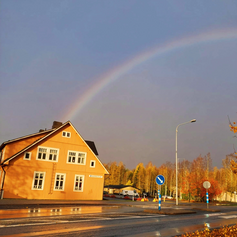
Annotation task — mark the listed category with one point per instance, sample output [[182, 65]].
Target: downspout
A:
[[3, 179]]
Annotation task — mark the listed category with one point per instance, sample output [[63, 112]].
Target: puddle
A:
[[33, 212]]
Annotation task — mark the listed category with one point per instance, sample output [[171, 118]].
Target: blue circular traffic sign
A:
[[160, 179]]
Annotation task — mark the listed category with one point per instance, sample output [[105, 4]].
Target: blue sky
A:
[[53, 51]]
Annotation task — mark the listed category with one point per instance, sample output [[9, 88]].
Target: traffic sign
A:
[[160, 179], [206, 184]]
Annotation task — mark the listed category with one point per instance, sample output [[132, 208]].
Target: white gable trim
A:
[[49, 134], [34, 143], [88, 147]]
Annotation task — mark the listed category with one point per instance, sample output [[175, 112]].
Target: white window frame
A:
[[92, 166], [47, 153], [83, 181], [66, 134], [76, 157], [64, 181], [33, 181], [25, 155]]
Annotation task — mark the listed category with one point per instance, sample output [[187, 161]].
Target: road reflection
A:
[[36, 212], [55, 232]]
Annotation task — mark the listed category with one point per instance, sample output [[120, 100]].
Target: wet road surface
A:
[[106, 221]]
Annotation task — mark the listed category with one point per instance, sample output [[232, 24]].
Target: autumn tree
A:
[[149, 177], [186, 180], [196, 176], [139, 177], [229, 175], [213, 191], [233, 128]]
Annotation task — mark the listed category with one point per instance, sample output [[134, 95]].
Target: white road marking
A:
[[228, 217], [94, 219], [215, 214]]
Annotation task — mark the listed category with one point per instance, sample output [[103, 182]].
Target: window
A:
[[66, 134], [38, 180], [49, 154], [53, 154], [27, 156], [79, 181], [92, 163], [76, 157], [72, 157], [59, 181]]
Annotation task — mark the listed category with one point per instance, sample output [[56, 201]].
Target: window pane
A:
[[78, 182], [38, 180]]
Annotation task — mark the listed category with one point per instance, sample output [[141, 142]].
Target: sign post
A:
[[160, 179], [207, 185]]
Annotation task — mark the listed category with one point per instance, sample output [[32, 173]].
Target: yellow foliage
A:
[[233, 128], [230, 231], [233, 166]]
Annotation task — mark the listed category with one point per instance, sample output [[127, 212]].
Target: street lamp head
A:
[[193, 121]]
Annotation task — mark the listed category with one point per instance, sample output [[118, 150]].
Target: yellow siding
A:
[[20, 172], [16, 146]]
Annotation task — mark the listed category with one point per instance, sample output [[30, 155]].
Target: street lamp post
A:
[[191, 121]]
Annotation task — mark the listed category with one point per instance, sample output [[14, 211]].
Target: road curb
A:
[[206, 209], [169, 212]]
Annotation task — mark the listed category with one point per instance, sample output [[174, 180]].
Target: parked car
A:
[[167, 197], [129, 193]]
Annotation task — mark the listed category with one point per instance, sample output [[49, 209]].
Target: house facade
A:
[[118, 189], [51, 164]]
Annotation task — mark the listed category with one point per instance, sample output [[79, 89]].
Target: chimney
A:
[[56, 124]]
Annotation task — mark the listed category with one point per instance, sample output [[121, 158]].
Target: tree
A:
[[233, 164], [213, 191], [139, 177]]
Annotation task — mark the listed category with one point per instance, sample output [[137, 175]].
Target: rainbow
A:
[[115, 73]]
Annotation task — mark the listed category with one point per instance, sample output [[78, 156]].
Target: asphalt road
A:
[[108, 220]]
